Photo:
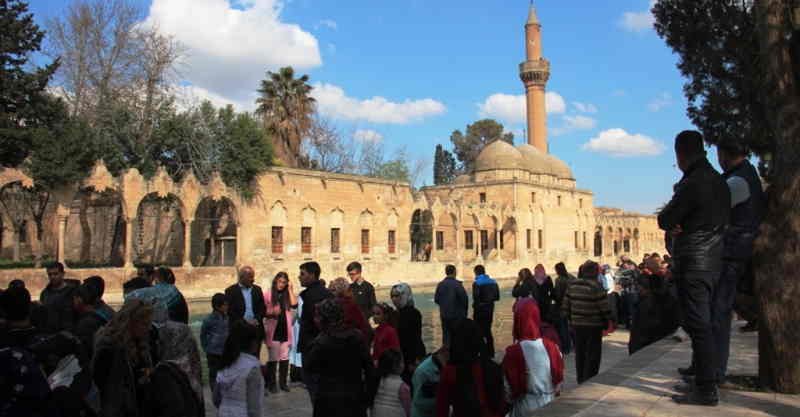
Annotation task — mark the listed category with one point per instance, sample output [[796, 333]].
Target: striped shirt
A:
[[586, 304]]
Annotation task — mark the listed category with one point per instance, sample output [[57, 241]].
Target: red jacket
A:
[[385, 338]]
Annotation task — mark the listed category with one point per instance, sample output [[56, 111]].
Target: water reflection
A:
[[423, 300]]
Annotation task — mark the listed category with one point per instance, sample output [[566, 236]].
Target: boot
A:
[[687, 371], [264, 375], [272, 387], [295, 374], [696, 397], [283, 373]]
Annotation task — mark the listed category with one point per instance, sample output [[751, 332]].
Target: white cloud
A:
[[230, 49], [584, 107], [333, 102], [190, 96], [329, 23], [512, 108], [573, 123], [638, 21], [367, 135], [619, 143], [660, 102]]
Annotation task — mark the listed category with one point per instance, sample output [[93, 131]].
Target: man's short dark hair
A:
[[218, 300], [147, 268], [690, 143], [55, 265], [99, 283], [88, 293], [354, 266], [479, 270], [312, 268], [16, 283], [166, 275], [450, 270], [732, 148], [16, 304]]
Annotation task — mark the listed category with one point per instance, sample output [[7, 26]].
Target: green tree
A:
[[719, 54], [478, 135], [21, 87], [444, 166], [742, 61], [287, 109], [245, 153]]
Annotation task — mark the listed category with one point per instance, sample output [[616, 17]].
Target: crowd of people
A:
[[71, 354]]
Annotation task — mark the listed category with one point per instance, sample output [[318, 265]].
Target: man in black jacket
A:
[[363, 291], [696, 216], [452, 301], [485, 293], [57, 299], [748, 206], [314, 293], [246, 300]]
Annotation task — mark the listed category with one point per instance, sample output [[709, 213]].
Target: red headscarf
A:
[[526, 327]]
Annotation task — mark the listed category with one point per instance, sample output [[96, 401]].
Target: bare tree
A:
[[326, 149]]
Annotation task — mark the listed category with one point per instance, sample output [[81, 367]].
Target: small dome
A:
[[535, 160], [499, 155], [462, 179], [560, 168]]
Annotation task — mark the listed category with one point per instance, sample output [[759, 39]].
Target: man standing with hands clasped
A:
[[696, 217], [246, 300]]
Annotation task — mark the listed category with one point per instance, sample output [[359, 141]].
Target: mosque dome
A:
[[499, 155], [536, 161], [560, 168]]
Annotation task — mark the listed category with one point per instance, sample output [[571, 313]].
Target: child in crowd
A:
[[213, 335], [393, 396], [239, 391], [386, 333]]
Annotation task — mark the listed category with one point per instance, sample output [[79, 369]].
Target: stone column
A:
[[129, 243], [187, 243], [239, 245], [62, 229]]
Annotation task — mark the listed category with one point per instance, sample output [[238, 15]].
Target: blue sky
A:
[[410, 72]]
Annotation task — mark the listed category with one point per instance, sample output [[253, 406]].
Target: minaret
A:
[[534, 73]]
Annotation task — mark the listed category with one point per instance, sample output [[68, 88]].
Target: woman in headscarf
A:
[[165, 293], [533, 366], [472, 386], [409, 328], [353, 317], [278, 329], [341, 359], [124, 359], [543, 292], [177, 387]]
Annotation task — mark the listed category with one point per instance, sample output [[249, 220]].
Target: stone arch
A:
[[336, 223], [421, 235], [598, 241], [471, 231], [488, 239], [278, 218], [159, 231], [30, 240], [508, 239], [95, 229], [214, 233], [626, 240], [308, 230], [446, 235]]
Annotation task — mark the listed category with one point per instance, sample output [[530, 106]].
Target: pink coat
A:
[[271, 324]]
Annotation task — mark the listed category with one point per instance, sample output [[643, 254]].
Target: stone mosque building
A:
[[519, 207]]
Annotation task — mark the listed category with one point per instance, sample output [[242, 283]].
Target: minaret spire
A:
[[534, 73]]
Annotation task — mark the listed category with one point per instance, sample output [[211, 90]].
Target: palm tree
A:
[[287, 110]]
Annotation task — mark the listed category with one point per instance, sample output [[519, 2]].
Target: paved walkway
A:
[[642, 386]]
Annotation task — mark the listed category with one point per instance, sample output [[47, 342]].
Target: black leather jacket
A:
[[701, 207]]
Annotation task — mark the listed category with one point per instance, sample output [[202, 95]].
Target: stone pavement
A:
[[641, 385]]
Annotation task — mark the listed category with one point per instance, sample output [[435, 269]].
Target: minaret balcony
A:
[[535, 72]]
